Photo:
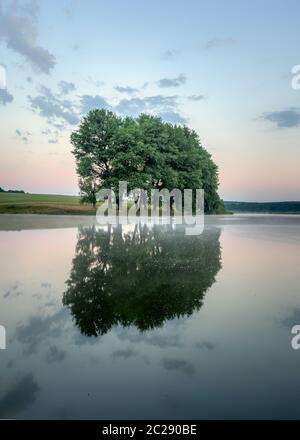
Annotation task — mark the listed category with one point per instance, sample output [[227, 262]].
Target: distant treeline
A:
[[12, 191], [264, 207]]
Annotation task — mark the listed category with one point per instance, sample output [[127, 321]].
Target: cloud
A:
[[172, 82], [18, 29], [126, 89], [209, 45], [53, 139], [69, 9], [196, 97], [5, 97], [66, 87], [19, 397], [178, 364], [205, 344], [68, 12], [155, 338], [125, 354], [40, 329], [291, 320], [51, 106], [81, 339], [55, 354], [284, 119], [59, 126], [158, 101], [163, 106], [24, 136], [131, 107], [89, 102], [155, 104], [13, 293], [170, 53], [172, 117], [217, 42], [93, 81]]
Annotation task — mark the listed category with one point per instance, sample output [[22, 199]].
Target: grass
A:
[[42, 204], [11, 203], [38, 198]]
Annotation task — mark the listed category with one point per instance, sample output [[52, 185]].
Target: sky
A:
[[222, 68]]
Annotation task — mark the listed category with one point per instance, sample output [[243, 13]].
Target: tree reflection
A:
[[141, 277]]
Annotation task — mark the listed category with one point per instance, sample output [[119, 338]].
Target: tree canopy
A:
[[146, 152], [141, 278]]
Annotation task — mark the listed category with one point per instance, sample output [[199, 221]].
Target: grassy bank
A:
[[11, 203], [42, 204]]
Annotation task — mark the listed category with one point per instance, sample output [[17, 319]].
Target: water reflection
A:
[[231, 360], [19, 397], [140, 277]]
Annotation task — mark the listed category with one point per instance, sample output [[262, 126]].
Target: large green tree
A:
[[146, 152], [94, 149]]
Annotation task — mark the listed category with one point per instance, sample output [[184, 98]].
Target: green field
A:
[[42, 204]]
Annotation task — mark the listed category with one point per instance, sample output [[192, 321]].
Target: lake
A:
[[147, 322]]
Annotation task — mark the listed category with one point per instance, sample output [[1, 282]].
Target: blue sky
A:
[[223, 68]]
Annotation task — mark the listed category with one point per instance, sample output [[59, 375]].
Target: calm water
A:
[[147, 322]]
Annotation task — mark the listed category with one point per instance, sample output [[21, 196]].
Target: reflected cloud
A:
[[81, 339], [39, 329], [46, 285], [55, 354], [12, 291], [292, 320], [124, 354], [158, 340], [21, 395], [179, 365], [206, 345]]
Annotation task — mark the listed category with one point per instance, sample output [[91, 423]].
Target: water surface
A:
[[146, 322]]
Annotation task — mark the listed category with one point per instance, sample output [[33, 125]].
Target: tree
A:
[[141, 278], [145, 152], [94, 150]]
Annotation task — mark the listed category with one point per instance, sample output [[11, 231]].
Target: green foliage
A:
[[141, 278], [145, 152], [94, 150], [12, 191]]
